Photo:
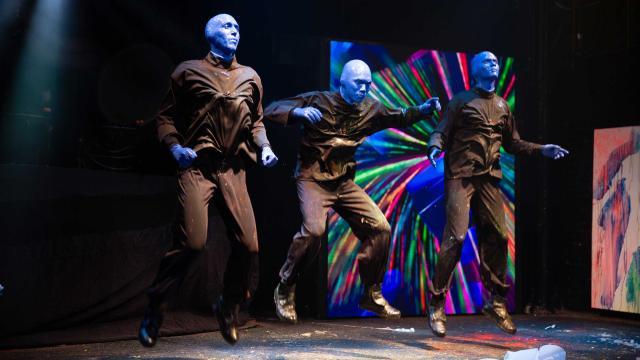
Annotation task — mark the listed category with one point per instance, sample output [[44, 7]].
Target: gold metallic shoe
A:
[[497, 310], [437, 316], [373, 301], [150, 325], [285, 299], [227, 320]]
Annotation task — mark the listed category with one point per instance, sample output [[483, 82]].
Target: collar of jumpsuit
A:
[[354, 108], [218, 62], [484, 93]]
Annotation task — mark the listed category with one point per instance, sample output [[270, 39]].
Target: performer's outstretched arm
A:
[[292, 110], [512, 143], [399, 118]]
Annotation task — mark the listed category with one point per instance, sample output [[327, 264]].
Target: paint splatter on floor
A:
[[469, 337]]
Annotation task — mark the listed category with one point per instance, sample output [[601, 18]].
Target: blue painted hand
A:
[[183, 155]]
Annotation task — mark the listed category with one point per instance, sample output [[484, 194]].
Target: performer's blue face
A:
[[484, 66], [355, 81], [223, 33]]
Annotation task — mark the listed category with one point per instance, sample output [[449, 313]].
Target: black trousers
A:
[[364, 217], [222, 183], [483, 197]]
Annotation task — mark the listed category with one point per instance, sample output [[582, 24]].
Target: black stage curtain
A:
[[79, 248]]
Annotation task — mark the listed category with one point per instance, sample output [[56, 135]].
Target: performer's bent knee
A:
[[384, 227], [315, 232], [379, 226], [457, 239], [197, 245], [196, 242], [252, 249], [248, 244]]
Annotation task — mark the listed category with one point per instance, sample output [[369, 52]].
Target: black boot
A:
[[285, 299], [227, 315], [437, 316], [373, 301], [151, 323], [497, 310]]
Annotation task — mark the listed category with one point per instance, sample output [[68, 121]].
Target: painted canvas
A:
[[615, 249]]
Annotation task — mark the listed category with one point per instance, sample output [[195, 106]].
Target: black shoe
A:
[[373, 301], [227, 320], [497, 310], [150, 325], [437, 316], [285, 299]]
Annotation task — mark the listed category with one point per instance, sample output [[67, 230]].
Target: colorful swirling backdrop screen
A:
[[615, 224], [394, 170]]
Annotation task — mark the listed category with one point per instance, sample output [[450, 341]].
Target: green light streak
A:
[[505, 71]]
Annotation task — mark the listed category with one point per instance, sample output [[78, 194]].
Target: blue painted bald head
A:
[[484, 66], [355, 81], [223, 34]]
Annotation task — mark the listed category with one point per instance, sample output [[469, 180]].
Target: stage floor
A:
[[469, 337]]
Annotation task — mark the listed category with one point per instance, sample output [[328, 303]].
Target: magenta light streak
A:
[[416, 74], [506, 93], [443, 77], [462, 60]]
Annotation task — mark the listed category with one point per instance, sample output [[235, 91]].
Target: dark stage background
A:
[[85, 222]]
